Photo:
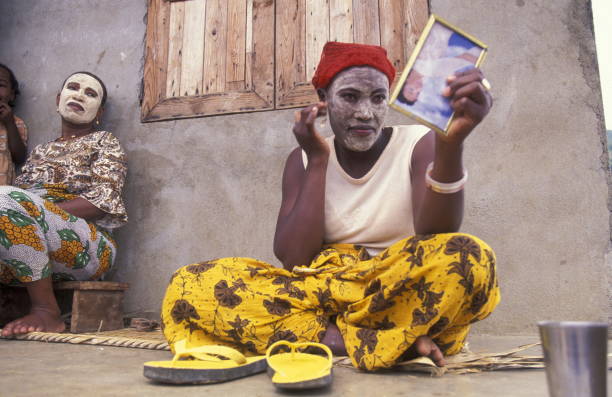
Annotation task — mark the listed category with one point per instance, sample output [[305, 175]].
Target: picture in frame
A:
[[442, 50]]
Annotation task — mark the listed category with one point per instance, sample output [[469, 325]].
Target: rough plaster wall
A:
[[580, 23], [540, 195], [210, 187]]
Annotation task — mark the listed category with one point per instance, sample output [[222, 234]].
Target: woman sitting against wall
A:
[[56, 225]]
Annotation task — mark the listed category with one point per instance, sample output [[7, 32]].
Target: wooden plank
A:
[[317, 33], [236, 43], [221, 103], [341, 21], [416, 13], [91, 285], [215, 39], [290, 47], [175, 49], [193, 47], [301, 95], [156, 56], [248, 47], [366, 27], [392, 31], [162, 34], [262, 58]]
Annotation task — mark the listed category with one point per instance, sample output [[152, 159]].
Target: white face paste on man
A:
[[357, 106], [80, 99]]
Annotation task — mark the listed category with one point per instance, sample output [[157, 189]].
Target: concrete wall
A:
[[210, 187]]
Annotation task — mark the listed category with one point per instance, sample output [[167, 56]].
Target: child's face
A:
[[7, 94]]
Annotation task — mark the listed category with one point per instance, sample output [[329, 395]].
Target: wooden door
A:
[[304, 26]]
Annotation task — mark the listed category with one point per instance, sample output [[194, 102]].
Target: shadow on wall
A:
[[609, 133]]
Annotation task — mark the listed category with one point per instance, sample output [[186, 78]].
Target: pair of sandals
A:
[[292, 366]]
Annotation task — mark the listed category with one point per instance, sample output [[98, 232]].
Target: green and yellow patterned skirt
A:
[[38, 239], [434, 285]]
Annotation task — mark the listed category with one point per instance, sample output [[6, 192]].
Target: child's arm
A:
[[15, 144]]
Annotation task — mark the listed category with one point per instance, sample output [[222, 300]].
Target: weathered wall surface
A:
[[210, 187], [540, 193]]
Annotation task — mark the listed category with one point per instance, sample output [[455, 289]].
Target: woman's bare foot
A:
[[40, 319], [424, 346], [44, 312]]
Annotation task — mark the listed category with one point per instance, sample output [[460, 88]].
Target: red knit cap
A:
[[338, 56]]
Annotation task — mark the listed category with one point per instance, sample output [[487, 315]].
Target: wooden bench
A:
[[93, 305]]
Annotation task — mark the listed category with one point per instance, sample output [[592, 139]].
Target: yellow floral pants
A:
[[434, 285]]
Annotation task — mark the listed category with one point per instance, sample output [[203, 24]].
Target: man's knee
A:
[[480, 277], [485, 295], [466, 241], [485, 274]]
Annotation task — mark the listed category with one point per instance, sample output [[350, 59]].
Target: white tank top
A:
[[376, 210]]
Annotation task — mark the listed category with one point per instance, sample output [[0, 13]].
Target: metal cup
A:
[[575, 354]]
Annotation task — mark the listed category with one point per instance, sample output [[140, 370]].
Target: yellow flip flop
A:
[[298, 369], [203, 364]]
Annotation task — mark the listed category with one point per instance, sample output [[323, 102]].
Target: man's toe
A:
[[437, 356], [422, 347]]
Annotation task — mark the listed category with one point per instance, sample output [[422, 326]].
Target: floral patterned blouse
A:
[[92, 166]]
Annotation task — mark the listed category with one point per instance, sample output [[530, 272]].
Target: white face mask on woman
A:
[[80, 99], [357, 106]]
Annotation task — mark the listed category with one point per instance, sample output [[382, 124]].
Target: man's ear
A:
[[57, 100], [100, 111], [322, 93]]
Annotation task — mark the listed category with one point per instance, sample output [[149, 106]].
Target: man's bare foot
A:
[[424, 346], [333, 340], [40, 319]]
